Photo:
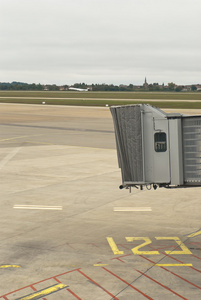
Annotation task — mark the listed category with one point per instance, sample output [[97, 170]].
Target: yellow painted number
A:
[[136, 249], [113, 246], [147, 241], [185, 250]]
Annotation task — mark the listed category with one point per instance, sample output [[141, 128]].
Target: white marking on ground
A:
[[38, 207], [9, 156], [132, 209]]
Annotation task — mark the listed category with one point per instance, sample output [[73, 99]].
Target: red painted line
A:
[[113, 297], [38, 282], [5, 297], [195, 243], [76, 296], [173, 273], [33, 288], [94, 245], [71, 246], [122, 246], [57, 279], [121, 256], [196, 256], [163, 247], [166, 246], [182, 262], [161, 285], [120, 260], [127, 283]]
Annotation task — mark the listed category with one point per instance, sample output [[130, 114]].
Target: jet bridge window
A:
[[160, 142]]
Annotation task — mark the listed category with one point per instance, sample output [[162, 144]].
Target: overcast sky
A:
[[100, 41]]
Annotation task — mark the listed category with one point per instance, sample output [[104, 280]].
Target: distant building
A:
[[186, 88], [63, 88], [198, 86], [145, 85]]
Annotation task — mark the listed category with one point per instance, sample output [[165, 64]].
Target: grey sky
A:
[[100, 41]]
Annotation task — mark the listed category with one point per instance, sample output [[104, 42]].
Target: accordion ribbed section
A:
[[128, 133]]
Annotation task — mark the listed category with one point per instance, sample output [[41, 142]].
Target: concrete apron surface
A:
[[68, 232]]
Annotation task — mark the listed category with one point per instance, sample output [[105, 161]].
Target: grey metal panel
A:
[[128, 132], [192, 150], [176, 151], [148, 140], [161, 159]]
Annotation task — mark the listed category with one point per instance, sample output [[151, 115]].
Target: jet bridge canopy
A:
[[156, 148]]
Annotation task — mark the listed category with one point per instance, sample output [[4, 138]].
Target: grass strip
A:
[[103, 95], [98, 102]]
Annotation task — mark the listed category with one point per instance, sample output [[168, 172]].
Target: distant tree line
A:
[[21, 86], [129, 88]]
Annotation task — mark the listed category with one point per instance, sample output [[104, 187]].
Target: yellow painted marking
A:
[[194, 234], [174, 265], [114, 246], [45, 292], [185, 250], [100, 265], [136, 249], [9, 266]]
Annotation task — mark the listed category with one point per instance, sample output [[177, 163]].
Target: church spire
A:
[[145, 85]]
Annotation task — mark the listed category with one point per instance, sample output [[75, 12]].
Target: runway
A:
[[68, 232]]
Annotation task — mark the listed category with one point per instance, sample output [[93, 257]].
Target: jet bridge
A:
[[157, 149]]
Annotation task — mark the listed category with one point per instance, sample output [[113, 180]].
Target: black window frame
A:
[[160, 142]]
